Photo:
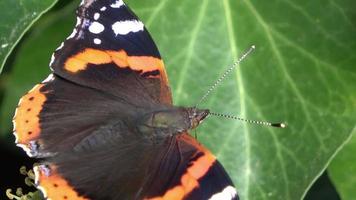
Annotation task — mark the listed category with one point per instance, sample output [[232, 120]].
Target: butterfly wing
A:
[[177, 168], [81, 118], [190, 172], [58, 118], [115, 170], [88, 139], [100, 76], [110, 40], [88, 76]]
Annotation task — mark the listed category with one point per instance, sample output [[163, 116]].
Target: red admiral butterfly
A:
[[104, 124]]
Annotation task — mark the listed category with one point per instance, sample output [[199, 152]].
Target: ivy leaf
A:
[[302, 73], [31, 62], [17, 16], [342, 170]]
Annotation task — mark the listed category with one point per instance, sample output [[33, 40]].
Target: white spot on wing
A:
[[117, 4], [60, 46], [125, 27], [74, 30], [96, 16], [14, 127], [78, 21], [228, 193], [37, 170], [28, 151], [97, 41], [72, 34], [14, 133], [52, 60], [96, 28], [32, 149], [103, 8], [4, 45], [48, 79]]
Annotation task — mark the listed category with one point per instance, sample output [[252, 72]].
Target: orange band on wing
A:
[[144, 64], [26, 120], [53, 185], [189, 180], [81, 60]]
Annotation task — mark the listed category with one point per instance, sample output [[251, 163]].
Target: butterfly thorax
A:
[[171, 121]]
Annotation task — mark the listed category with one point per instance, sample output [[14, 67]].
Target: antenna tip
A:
[[279, 125], [253, 47]]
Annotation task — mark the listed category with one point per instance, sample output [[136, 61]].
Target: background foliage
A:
[[302, 72]]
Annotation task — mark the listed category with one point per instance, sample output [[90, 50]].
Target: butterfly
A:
[[104, 124]]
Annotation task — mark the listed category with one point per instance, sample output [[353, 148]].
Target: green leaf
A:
[[302, 72], [16, 18], [32, 60], [342, 170]]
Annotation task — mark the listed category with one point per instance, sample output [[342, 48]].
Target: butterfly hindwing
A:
[[120, 168], [189, 172], [178, 168]]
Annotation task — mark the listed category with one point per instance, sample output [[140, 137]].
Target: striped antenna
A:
[[227, 72], [278, 125]]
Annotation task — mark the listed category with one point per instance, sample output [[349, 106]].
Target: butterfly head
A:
[[196, 116]]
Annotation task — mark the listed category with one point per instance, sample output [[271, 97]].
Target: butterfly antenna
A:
[[278, 125], [227, 72]]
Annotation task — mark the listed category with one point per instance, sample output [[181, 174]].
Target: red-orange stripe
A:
[[55, 186], [144, 64], [189, 180]]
